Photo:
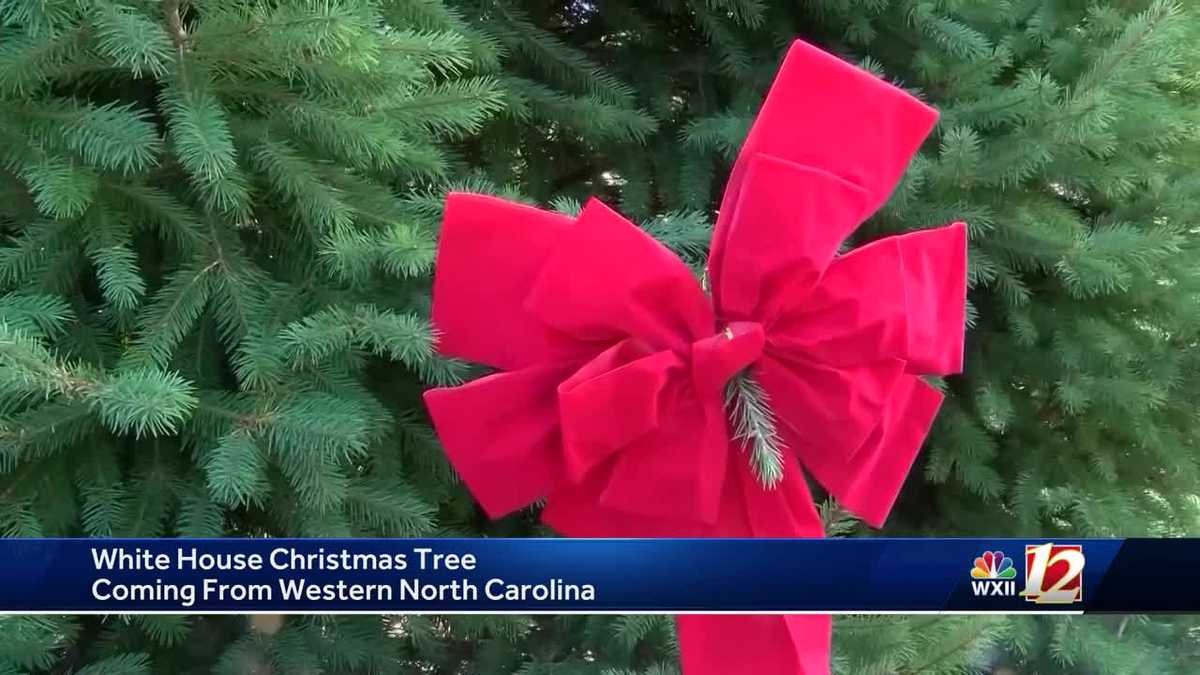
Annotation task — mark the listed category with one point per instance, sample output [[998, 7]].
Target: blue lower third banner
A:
[[598, 575]]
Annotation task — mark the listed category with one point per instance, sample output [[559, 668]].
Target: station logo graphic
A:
[[1053, 573], [993, 574]]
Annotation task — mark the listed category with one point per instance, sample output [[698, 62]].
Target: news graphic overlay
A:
[[993, 574], [554, 576], [1054, 573]]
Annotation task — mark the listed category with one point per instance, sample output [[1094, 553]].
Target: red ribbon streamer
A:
[[609, 403]]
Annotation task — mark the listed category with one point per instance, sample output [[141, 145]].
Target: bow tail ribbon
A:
[[710, 643], [715, 644], [761, 644]]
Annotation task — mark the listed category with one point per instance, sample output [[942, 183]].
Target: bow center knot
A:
[[717, 358]]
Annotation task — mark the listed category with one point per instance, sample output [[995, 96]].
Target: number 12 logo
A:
[[1053, 573]]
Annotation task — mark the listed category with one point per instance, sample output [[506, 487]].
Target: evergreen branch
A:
[[103, 509], [28, 252], [432, 15], [957, 38], [150, 495], [114, 137], [453, 108], [968, 641], [753, 423], [734, 58], [568, 206], [321, 514], [406, 251], [44, 430], [198, 126], [749, 13], [589, 116], [35, 642], [236, 470], [174, 310], [313, 339], [122, 664], [146, 402], [240, 296], [248, 649], [445, 52], [165, 630], [132, 41], [258, 362], [28, 363], [391, 509], [633, 629], [687, 233], [200, 130], [294, 31], [18, 520], [696, 174], [334, 427], [427, 205], [1141, 30], [174, 15], [721, 132], [108, 245], [320, 483], [172, 219], [319, 205], [406, 338], [370, 142], [836, 520], [402, 252], [558, 59], [291, 652], [61, 189], [40, 316], [28, 61]]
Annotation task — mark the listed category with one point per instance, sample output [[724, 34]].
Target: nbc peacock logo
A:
[[993, 574]]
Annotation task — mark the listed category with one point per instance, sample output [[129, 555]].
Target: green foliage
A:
[[213, 295], [1067, 142], [752, 423], [220, 219]]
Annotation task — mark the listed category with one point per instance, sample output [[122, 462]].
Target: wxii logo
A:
[[993, 574]]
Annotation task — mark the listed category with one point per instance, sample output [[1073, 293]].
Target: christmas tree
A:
[[221, 219], [214, 311], [1066, 140]]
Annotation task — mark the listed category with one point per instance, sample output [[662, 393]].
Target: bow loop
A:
[[899, 297], [867, 481], [823, 112], [493, 424], [610, 402], [787, 225], [647, 438], [489, 254], [606, 280]]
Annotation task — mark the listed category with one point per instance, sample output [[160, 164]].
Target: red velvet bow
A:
[[614, 360]]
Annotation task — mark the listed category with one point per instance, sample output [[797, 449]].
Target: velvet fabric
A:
[[613, 360]]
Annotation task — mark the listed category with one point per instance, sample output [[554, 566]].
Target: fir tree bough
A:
[[1067, 141], [220, 219], [213, 297]]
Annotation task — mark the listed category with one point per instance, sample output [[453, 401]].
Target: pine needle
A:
[[753, 423]]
